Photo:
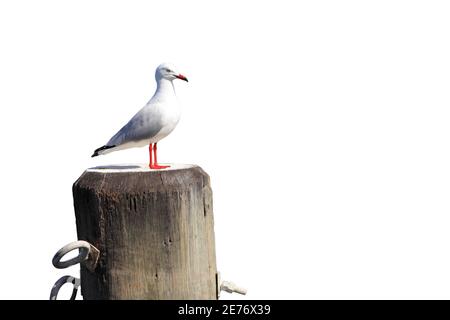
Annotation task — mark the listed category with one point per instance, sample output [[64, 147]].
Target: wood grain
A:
[[154, 230]]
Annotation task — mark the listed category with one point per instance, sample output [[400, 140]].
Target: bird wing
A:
[[144, 125]]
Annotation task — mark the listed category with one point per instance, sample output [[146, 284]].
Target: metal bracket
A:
[[62, 281], [88, 255], [227, 286], [92, 259]]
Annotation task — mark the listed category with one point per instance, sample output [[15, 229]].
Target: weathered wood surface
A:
[[154, 230]]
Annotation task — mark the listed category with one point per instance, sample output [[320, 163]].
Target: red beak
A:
[[180, 76]]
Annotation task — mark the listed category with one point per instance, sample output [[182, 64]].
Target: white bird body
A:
[[155, 121]]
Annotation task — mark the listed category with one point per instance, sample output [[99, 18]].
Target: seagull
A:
[[155, 121]]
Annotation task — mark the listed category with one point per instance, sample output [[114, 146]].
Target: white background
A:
[[324, 126]]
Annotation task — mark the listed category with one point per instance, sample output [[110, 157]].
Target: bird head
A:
[[167, 71]]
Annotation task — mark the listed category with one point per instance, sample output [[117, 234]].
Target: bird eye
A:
[[168, 70]]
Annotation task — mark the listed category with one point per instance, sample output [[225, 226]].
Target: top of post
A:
[[137, 167], [133, 178]]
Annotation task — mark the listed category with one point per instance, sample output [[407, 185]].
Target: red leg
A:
[[150, 151], [155, 164]]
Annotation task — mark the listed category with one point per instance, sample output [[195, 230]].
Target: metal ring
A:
[[62, 281], [84, 248]]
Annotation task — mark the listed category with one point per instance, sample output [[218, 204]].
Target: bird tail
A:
[[102, 150]]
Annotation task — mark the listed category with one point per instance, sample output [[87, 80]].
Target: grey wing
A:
[[141, 127]]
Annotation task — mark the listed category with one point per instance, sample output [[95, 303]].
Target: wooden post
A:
[[154, 230]]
